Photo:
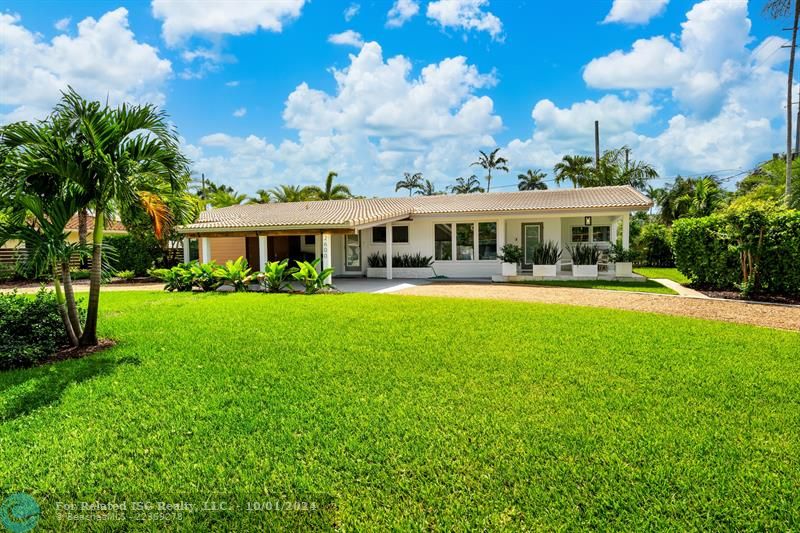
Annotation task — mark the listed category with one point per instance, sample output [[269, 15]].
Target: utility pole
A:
[[797, 128], [627, 157], [203, 182], [597, 142], [792, 49]]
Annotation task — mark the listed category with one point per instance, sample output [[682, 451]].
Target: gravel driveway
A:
[[771, 316]]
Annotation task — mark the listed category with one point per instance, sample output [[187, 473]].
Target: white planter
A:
[[509, 269], [402, 273], [544, 271], [584, 271], [623, 270]]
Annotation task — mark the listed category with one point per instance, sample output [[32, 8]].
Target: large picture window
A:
[[443, 242], [487, 240], [399, 234], [465, 242]]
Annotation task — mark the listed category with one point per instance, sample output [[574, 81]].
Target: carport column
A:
[[614, 228], [187, 253], [389, 250], [501, 235], [263, 256], [318, 250], [326, 254], [205, 244], [626, 230]]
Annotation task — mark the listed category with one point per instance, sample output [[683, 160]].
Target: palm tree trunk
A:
[[489, 181], [789, 105], [62, 308], [72, 309], [83, 230], [89, 337]]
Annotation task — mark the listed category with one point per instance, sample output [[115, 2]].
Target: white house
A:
[[463, 233]]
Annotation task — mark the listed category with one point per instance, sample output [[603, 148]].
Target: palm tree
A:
[[410, 181], [427, 188], [574, 168], [331, 191], [656, 194], [533, 180], [289, 193], [491, 162], [704, 199], [466, 185], [224, 198], [262, 197], [616, 168], [123, 156]]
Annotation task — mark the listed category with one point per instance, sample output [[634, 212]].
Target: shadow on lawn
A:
[[24, 391]]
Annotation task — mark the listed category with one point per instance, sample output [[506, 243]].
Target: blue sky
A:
[[262, 93]]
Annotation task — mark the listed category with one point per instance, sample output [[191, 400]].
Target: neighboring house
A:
[[463, 233]]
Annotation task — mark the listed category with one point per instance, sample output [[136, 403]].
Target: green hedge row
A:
[[133, 253], [708, 252]]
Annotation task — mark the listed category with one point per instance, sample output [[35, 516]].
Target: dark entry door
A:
[[251, 252], [278, 248]]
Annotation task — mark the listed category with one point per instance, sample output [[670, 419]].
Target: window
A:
[[580, 233], [399, 234], [465, 242], [443, 242], [310, 240], [601, 233], [487, 240]]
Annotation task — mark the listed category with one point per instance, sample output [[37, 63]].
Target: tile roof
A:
[[356, 212], [110, 225]]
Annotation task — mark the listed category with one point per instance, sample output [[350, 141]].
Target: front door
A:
[[531, 237], [352, 253]]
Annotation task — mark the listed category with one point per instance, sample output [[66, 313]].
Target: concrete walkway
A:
[[680, 289]]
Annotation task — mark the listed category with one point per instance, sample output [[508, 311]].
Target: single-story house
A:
[[463, 233]]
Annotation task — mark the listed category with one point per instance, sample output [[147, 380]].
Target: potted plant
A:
[[622, 259], [545, 259], [510, 256], [584, 260]]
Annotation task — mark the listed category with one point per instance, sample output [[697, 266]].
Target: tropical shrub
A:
[[79, 273], [203, 275], [138, 254], [126, 275], [235, 273], [546, 253], [7, 272], [378, 260], [510, 253], [31, 329], [276, 276], [584, 254], [618, 254], [178, 278], [653, 246], [312, 280]]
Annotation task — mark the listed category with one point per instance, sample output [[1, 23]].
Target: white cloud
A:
[[348, 38], [401, 12], [635, 11], [465, 15], [240, 112], [103, 60], [351, 11], [234, 17], [62, 24]]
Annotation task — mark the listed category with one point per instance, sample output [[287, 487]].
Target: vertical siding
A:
[[225, 248]]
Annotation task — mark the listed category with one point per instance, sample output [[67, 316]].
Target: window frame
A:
[[602, 226], [475, 241], [394, 241], [588, 234]]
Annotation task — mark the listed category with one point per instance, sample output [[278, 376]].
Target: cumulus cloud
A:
[[347, 38], [635, 11], [401, 12], [182, 20], [62, 24], [465, 15], [240, 112], [351, 11], [103, 60]]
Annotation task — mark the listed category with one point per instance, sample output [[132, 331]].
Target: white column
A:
[[501, 235], [389, 251], [626, 230], [263, 256], [318, 250], [205, 244], [327, 260], [186, 251], [614, 226]]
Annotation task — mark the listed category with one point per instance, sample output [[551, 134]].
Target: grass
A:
[[637, 286], [665, 273], [394, 412]]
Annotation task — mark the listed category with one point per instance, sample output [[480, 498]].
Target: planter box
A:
[[584, 271], [509, 269], [623, 270], [544, 271], [402, 273]]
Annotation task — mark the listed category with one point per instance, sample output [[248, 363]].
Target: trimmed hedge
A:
[[133, 253], [653, 246], [706, 253]]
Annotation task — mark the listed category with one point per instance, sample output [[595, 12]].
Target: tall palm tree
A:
[[656, 194], [574, 168], [331, 191], [532, 180], [427, 188], [262, 197], [466, 185], [616, 168], [410, 181], [704, 199], [491, 162], [125, 155], [223, 198], [289, 193]]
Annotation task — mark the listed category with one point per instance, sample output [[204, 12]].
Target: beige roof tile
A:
[[351, 213]]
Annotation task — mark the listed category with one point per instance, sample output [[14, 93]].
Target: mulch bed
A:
[[76, 352], [767, 298]]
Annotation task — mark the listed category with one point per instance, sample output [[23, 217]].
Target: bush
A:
[[653, 246], [235, 273], [584, 254], [126, 275], [137, 254], [178, 278], [546, 253], [510, 253], [31, 329], [312, 280], [378, 260], [79, 273]]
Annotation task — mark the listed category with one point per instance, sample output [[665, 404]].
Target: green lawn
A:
[[637, 286], [665, 273], [413, 413]]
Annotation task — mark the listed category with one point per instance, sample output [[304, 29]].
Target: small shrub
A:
[[126, 275], [235, 273], [203, 275], [653, 246], [618, 254], [584, 254], [378, 260], [546, 253], [7, 272], [80, 273], [276, 276], [511, 253], [178, 278], [312, 280]]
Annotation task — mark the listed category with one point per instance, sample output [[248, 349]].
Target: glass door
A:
[[352, 253], [531, 237]]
